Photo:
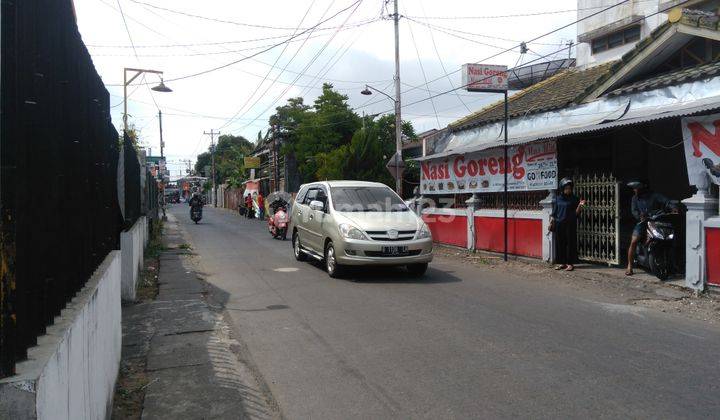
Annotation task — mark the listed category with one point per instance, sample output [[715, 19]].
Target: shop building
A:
[[600, 123]]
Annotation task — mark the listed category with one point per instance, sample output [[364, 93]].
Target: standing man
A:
[[644, 203], [248, 205]]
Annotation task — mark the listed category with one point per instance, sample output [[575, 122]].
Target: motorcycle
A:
[[196, 214], [278, 221], [655, 253]]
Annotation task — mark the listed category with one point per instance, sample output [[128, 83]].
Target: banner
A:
[[251, 162], [529, 167], [701, 136]]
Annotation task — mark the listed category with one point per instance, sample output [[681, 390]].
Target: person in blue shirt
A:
[[644, 203], [564, 223]]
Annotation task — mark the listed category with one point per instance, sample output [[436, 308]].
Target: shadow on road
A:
[[387, 275]]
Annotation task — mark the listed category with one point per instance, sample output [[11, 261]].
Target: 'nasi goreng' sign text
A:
[[529, 167]]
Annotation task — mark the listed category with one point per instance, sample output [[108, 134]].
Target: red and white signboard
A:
[[484, 78], [701, 136], [529, 167]]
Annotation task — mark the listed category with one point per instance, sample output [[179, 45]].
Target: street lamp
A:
[[126, 82], [397, 159]]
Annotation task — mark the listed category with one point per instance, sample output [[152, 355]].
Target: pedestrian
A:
[[564, 223], [248, 205], [261, 206]]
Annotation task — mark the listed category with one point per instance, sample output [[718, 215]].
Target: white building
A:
[[606, 36]]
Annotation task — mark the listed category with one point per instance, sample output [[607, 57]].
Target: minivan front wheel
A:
[[334, 270]]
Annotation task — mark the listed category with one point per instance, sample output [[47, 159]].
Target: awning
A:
[[605, 113]]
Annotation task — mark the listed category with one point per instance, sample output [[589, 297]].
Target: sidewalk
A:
[[193, 368]]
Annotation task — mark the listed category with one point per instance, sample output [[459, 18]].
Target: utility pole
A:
[[398, 117], [162, 143], [212, 135]]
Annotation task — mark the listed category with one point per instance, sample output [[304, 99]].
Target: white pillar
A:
[[548, 243], [472, 204], [700, 207]]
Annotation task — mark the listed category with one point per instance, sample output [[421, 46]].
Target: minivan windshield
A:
[[363, 199]]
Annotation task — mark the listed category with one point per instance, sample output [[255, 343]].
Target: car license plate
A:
[[395, 250]]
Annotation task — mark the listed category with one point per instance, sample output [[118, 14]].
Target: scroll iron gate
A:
[[599, 222]]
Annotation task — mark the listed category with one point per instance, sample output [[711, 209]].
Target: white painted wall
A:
[[132, 246], [71, 373], [632, 8]]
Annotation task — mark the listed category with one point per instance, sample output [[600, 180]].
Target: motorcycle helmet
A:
[[565, 182], [637, 184]]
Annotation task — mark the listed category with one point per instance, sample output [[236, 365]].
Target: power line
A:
[[259, 85], [220, 43], [422, 70], [213, 69], [514, 15], [442, 64], [317, 55], [517, 46], [217, 20]]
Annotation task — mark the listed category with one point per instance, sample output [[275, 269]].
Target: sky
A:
[[230, 64]]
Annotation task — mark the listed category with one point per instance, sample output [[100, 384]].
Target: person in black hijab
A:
[[564, 223]]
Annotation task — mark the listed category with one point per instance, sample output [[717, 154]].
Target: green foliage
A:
[[229, 153]]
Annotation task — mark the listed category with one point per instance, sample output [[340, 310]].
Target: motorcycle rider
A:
[[195, 202], [644, 203]]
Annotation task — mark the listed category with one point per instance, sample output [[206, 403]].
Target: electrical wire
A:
[[422, 70], [442, 64], [317, 55], [285, 47], [216, 68], [531, 40], [216, 20]]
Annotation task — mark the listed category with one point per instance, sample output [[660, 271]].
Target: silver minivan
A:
[[358, 223]]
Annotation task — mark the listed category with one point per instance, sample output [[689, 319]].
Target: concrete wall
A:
[[132, 245], [71, 373]]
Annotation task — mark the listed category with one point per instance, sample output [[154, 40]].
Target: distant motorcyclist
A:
[[196, 200], [644, 203]]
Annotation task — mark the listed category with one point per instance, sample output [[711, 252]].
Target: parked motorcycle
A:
[[655, 253], [278, 221], [196, 214]]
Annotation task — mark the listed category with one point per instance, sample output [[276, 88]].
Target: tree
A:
[[229, 154], [310, 132]]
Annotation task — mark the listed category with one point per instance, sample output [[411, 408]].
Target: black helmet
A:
[[565, 182], [637, 184]]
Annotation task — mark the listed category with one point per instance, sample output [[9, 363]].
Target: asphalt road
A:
[[461, 342]]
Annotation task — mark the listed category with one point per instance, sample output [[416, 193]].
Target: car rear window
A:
[[360, 199]]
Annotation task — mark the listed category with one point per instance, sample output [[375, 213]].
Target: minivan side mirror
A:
[[317, 205]]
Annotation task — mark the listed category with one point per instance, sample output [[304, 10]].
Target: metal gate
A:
[[599, 223]]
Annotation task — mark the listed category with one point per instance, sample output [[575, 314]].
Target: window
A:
[[301, 195], [366, 199], [615, 39], [310, 196]]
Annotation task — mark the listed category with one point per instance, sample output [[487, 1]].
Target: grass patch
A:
[[185, 246]]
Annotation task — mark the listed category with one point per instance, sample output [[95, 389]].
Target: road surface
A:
[[461, 342]]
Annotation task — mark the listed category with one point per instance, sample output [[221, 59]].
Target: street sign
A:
[[484, 78], [251, 162], [396, 166]]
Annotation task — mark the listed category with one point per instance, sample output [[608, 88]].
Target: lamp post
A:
[[126, 82], [397, 159]]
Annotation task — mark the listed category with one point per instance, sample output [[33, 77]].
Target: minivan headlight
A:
[[351, 232], [423, 232]]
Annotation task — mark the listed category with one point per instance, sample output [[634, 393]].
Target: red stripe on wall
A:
[[712, 252], [448, 229], [524, 236]]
